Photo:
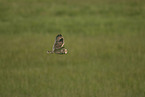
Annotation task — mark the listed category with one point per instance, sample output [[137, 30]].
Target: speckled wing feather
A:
[[58, 46], [59, 42]]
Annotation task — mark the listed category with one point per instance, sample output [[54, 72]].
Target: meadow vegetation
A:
[[105, 41]]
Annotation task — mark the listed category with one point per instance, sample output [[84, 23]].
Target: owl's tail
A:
[[65, 51]]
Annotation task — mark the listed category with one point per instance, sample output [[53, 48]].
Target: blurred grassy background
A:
[[105, 40]]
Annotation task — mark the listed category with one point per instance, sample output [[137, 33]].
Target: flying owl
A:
[[58, 46]]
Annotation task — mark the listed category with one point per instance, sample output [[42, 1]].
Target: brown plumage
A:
[[58, 46]]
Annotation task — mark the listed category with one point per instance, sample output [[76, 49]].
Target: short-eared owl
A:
[[58, 46]]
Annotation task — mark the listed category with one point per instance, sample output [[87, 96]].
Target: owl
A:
[[58, 46]]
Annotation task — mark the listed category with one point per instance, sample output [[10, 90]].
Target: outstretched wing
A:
[[59, 42]]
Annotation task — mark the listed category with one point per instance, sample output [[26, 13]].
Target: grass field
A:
[[105, 41]]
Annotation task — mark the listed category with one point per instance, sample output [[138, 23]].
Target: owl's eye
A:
[[61, 40]]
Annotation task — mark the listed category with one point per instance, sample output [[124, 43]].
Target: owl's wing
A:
[[61, 51], [59, 42]]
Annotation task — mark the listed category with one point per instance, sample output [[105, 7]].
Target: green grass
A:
[[105, 42]]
